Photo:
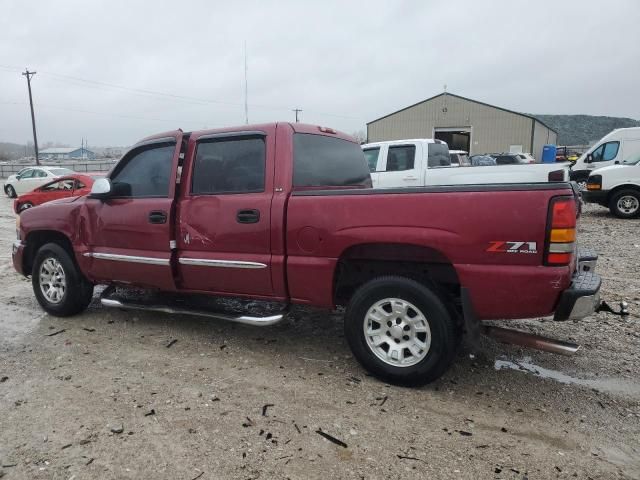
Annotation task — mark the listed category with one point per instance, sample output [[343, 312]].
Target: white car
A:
[[30, 178], [526, 157]]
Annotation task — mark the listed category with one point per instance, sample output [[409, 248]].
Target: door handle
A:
[[410, 177], [157, 216], [248, 216]]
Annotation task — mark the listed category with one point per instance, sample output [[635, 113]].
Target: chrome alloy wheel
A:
[[397, 332], [628, 204], [52, 279]]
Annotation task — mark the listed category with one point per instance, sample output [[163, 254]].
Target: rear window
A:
[[321, 161], [439, 155]]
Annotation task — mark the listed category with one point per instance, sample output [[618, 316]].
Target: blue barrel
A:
[[549, 153]]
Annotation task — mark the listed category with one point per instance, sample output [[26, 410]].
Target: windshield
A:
[[632, 160], [60, 171]]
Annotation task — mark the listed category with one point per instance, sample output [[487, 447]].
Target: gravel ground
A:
[[112, 394]]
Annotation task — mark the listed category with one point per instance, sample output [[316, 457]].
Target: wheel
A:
[[625, 204], [11, 193], [25, 206], [400, 331], [58, 284]]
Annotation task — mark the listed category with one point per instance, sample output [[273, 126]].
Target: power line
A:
[[29, 74]]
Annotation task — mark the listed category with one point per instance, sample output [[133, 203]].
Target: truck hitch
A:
[[605, 307]]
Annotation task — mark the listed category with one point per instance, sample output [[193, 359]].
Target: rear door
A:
[[130, 234], [402, 166], [224, 215]]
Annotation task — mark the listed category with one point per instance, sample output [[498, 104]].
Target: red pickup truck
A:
[[285, 213]]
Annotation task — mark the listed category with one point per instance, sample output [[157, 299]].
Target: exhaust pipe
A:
[[529, 340]]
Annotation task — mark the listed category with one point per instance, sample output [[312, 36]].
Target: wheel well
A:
[[37, 239], [361, 263], [629, 186]]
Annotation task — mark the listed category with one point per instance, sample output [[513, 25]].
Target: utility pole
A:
[[297, 111], [29, 74]]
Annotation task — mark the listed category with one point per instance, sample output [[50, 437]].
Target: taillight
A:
[[594, 182], [556, 176], [561, 231]]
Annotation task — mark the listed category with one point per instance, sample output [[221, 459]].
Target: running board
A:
[[529, 340], [244, 319]]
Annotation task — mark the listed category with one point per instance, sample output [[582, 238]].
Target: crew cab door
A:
[[129, 233], [401, 166], [223, 232], [374, 159]]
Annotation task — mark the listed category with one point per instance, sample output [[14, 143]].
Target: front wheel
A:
[[58, 284], [400, 331], [625, 204], [11, 192]]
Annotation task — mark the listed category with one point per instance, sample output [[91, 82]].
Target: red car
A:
[[75, 185]]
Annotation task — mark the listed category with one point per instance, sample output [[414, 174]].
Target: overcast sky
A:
[[343, 63]]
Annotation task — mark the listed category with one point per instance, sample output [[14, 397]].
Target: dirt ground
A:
[[112, 394]]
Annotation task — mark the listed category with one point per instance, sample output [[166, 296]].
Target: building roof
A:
[[63, 150], [468, 100]]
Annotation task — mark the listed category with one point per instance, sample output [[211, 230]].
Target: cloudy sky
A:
[[115, 71]]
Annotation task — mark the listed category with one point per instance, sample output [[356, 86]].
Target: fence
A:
[[80, 167]]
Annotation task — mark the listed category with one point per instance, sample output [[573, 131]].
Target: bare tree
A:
[[360, 136]]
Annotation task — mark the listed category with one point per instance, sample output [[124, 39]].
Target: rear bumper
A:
[[582, 298], [17, 252]]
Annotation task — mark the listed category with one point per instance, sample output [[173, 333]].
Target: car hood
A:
[[10, 178], [62, 200], [612, 168]]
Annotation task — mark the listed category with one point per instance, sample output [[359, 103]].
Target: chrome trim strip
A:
[[561, 247], [128, 258], [202, 262]]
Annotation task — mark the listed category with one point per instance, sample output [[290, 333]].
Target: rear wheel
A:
[[400, 331], [24, 206], [58, 284], [625, 204], [11, 193]]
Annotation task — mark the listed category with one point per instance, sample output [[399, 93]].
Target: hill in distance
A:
[[584, 129]]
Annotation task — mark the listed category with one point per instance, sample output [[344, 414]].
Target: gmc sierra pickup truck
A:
[[285, 214]]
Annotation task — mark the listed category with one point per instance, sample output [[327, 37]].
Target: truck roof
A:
[[402, 142], [296, 127]]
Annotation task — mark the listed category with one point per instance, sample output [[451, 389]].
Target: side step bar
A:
[[529, 340], [245, 319]]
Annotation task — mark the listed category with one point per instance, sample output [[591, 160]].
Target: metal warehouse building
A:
[[465, 124]]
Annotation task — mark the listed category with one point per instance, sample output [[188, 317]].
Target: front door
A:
[[224, 216], [130, 233], [403, 166]]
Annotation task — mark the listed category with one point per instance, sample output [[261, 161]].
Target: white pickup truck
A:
[[420, 162]]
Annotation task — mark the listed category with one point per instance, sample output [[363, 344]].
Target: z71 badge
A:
[[512, 247]]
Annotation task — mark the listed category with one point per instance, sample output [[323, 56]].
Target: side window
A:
[[439, 155], [505, 160], [27, 173], [610, 151], [79, 185], [400, 158], [51, 186], [371, 155], [146, 172], [231, 165], [40, 173]]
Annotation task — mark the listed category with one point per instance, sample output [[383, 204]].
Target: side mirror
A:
[[101, 189], [589, 158]]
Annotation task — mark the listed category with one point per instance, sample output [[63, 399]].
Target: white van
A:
[[616, 187], [612, 149], [425, 161]]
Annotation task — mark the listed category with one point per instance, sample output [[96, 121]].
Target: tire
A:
[[11, 192], [422, 322], [24, 206], [625, 204], [70, 293]]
